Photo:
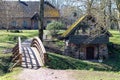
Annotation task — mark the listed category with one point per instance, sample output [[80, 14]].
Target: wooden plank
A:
[[38, 44], [30, 56], [37, 56], [28, 62], [16, 57], [24, 57], [36, 63]]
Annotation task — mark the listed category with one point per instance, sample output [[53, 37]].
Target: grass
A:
[[116, 37], [56, 61], [83, 70], [112, 64], [8, 41], [87, 70], [11, 75], [114, 51]]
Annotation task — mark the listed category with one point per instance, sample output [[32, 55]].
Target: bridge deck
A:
[[30, 56], [30, 53]]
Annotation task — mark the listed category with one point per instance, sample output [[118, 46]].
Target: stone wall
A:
[[79, 52], [72, 51], [103, 51]]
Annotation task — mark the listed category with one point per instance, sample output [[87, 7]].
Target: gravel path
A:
[[45, 74]]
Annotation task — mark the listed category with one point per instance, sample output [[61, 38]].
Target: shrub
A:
[[54, 27]]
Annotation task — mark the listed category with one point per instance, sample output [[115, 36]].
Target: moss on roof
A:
[[72, 27]]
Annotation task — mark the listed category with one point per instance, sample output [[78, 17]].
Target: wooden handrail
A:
[[36, 42], [17, 54]]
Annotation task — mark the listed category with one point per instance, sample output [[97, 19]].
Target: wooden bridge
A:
[[29, 55]]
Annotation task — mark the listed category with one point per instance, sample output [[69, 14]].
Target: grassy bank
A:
[[55, 61]]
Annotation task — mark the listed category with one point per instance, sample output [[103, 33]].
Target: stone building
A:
[[86, 39], [15, 14]]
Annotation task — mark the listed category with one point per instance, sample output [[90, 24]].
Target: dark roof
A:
[[35, 16], [85, 39], [24, 8], [46, 2]]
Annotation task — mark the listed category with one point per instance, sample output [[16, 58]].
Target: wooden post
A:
[[20, 59], [45, 58], [41, 21], [20, 50]]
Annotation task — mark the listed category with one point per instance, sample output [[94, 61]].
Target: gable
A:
[[17, 9], [86, 25], [50, 11]]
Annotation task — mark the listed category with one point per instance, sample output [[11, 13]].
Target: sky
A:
[[22, 0]]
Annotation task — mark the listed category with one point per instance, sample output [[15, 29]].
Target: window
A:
[[25, 24], [48, 22], [13, 23]]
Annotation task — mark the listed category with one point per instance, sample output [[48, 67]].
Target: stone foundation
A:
[[80, 52]]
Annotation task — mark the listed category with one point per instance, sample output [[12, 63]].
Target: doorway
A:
[[90, 53]]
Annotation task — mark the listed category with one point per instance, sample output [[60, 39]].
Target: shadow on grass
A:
[[114, 57], [2, 47], [56, 61], [4, 64], [15, 38]]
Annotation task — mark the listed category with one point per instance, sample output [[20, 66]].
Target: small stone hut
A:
[[86, 39]]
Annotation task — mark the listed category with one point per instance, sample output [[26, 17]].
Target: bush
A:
[[54, 27]]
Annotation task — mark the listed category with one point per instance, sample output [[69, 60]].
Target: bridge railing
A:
[[17, 54], [36, 42]]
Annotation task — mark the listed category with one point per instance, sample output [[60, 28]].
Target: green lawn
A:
[[56, 61], [116, 37], [9, 39], [109, 69]]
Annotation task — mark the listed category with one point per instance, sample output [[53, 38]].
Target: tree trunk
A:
[[110, 14], [41, 23], [118, 6]]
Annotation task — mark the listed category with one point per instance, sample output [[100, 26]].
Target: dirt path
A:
[[44, 74]]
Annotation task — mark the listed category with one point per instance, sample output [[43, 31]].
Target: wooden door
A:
[[90, 53]]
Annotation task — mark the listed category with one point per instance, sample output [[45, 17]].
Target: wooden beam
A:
[[41, 23]]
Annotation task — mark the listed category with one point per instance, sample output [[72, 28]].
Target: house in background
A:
[[17, 15], [86, 39], [50, 14]]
